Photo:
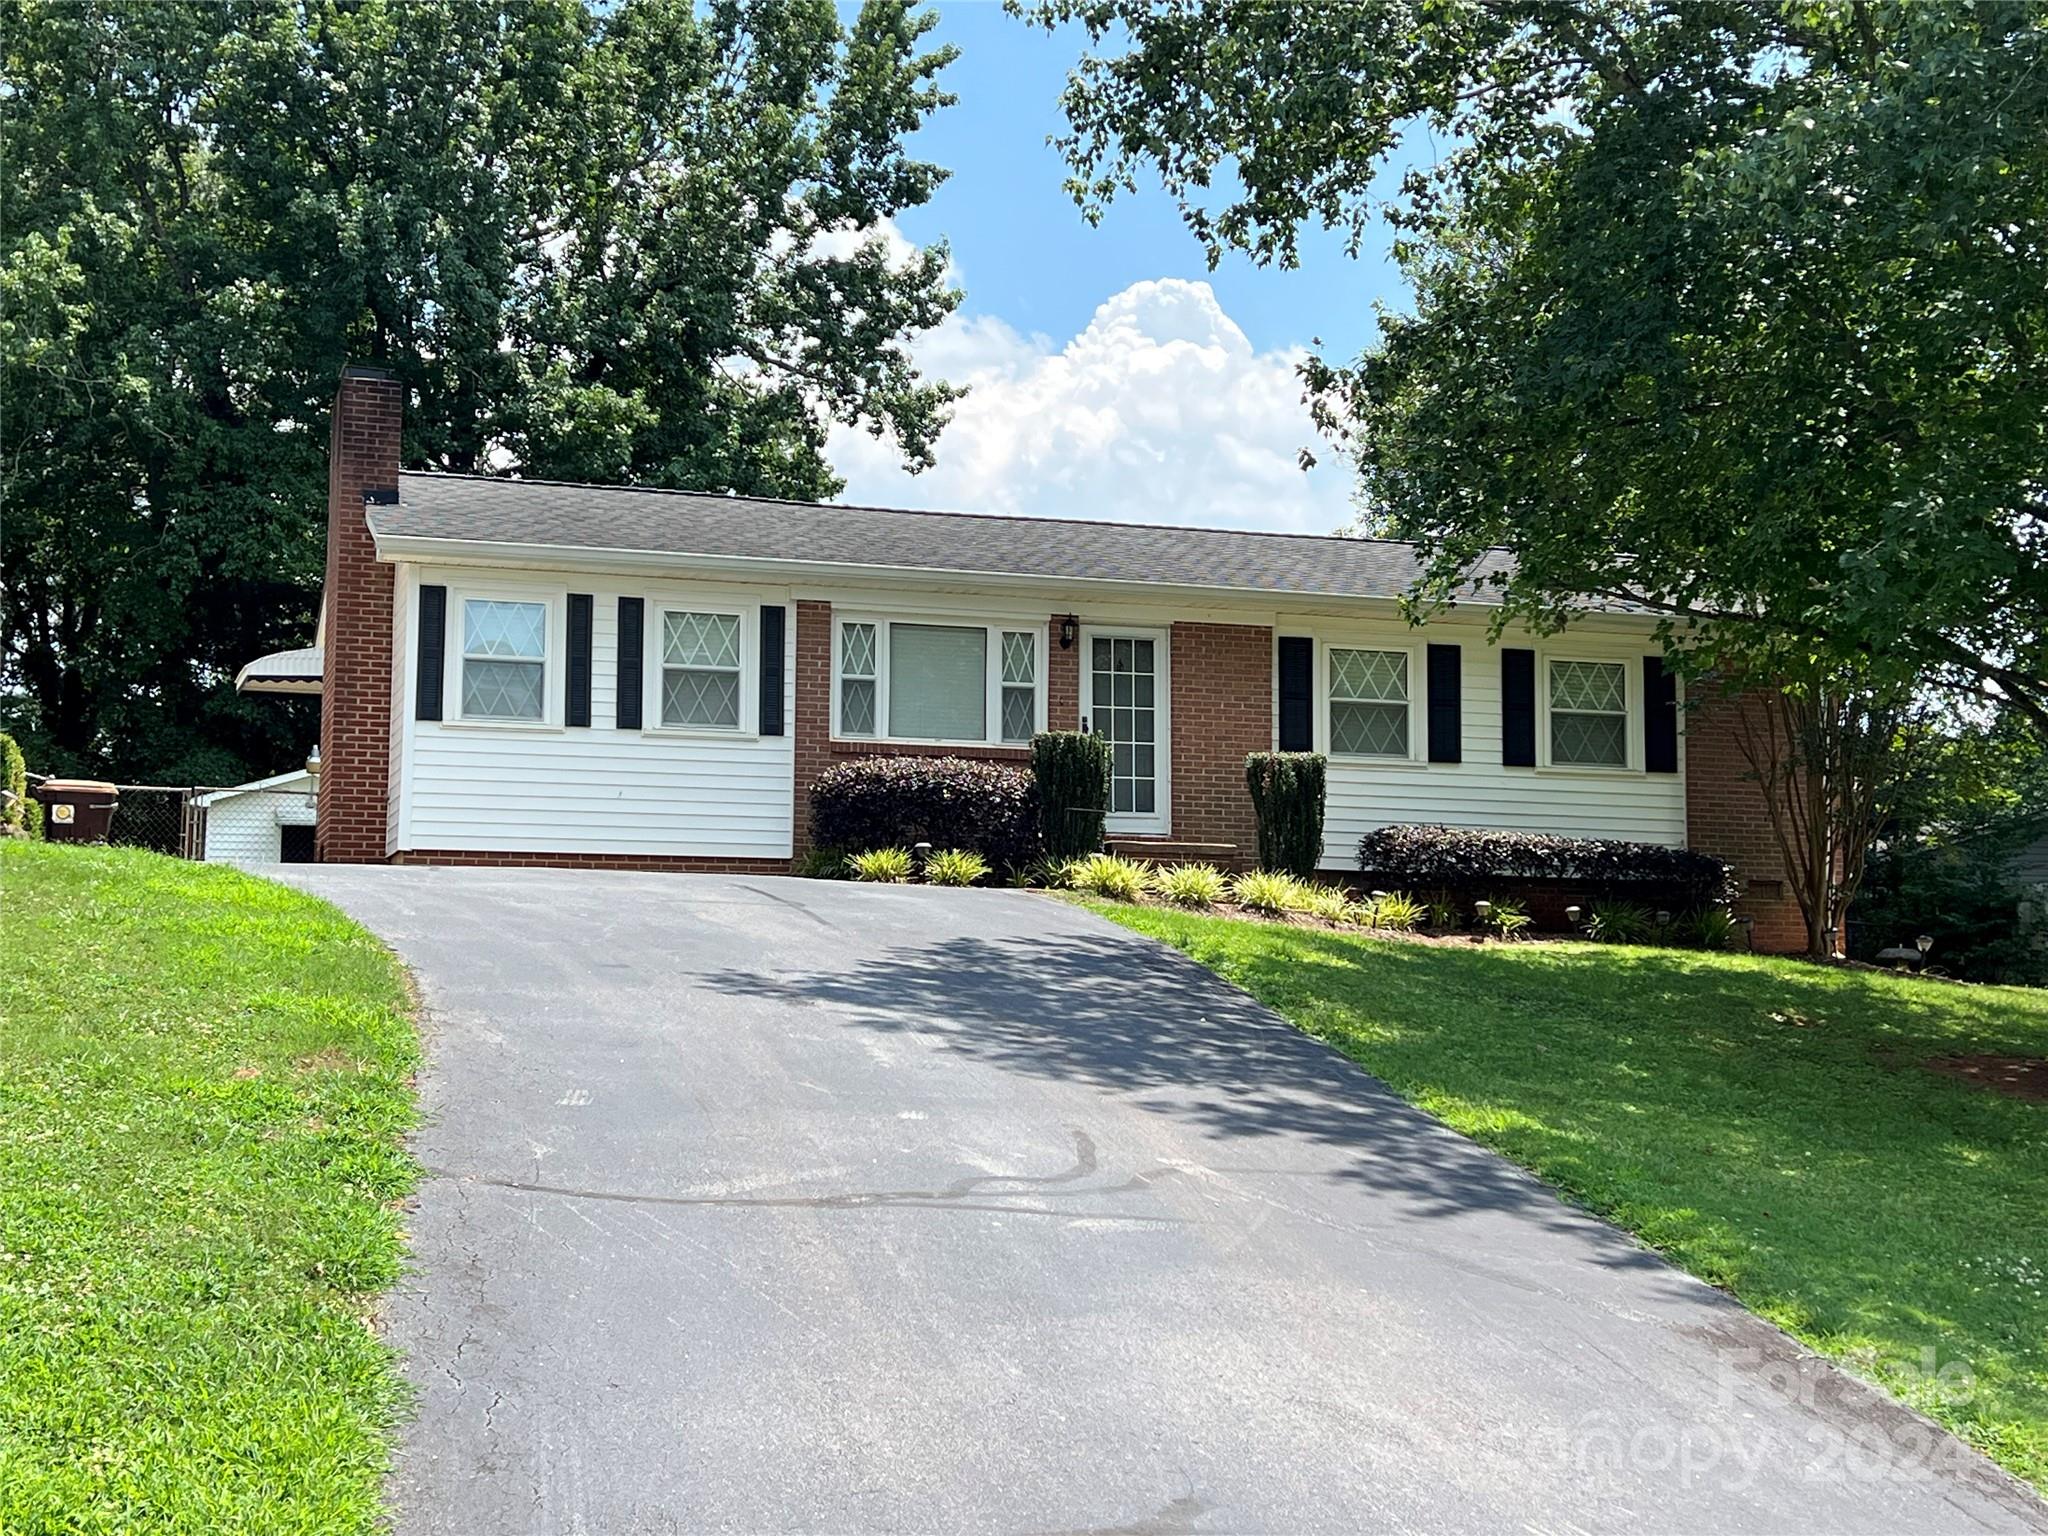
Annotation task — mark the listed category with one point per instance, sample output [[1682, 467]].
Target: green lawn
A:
[[204, 1084], [1764, 1123]]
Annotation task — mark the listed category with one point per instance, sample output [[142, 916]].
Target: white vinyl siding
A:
[[1364, 793], [658, 791]]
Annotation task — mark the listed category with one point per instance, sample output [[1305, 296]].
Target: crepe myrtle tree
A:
[[1735, 310]]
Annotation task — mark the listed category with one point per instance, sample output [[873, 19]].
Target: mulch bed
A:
[[2017, 1077]]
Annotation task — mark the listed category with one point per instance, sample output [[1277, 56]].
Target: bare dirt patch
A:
[[2017, 1077]]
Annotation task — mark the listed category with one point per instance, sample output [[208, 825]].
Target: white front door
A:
[[1124, 701]]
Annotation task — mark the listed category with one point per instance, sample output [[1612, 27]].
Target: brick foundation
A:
[[1222, 689], [354, 812], [1725, 815], [651, 863]]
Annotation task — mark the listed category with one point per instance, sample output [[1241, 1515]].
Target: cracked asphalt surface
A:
[[779, 1205]]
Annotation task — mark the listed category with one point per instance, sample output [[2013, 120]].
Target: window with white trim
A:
[[918, 680], [1020, 685], [700, 669], [857, 657], [504, 659], [1588, 714], [1368, 703]]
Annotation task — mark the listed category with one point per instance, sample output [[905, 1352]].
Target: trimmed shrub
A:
[[1270, 891], [1468, 861], [882, 866], [955, 866], [1072, 772], [950, 802], [1191, 885], [1287, 798], [1104, 874]]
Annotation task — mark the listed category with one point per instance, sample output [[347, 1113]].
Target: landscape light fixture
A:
[[1924, 943], [1571, 915]]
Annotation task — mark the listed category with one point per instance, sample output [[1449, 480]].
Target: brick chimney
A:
[[356, 674]]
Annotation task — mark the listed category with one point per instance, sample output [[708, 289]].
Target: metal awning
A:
[[283, 672]]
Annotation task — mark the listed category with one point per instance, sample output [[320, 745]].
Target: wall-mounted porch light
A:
[[1070, 631]]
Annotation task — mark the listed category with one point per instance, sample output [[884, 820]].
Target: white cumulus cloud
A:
[[1160, 411]]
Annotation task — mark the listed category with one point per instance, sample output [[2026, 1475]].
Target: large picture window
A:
[[1369, 703], [504, 659], [1588, 714], [700, 670], [916, 681]]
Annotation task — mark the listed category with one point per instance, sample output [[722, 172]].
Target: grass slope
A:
[[1761, 1122], [203, 1090]]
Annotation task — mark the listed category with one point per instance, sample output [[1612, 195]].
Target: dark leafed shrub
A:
[[1470, 860], [950, 802], [1072, 770], [1287, 798]]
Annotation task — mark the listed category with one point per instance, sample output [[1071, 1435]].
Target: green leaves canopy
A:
[[1737, 309], [640, 242]]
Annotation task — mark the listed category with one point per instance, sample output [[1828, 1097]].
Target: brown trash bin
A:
[[77, 810]]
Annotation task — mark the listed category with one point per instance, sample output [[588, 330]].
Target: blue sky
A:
[[1112, 373]]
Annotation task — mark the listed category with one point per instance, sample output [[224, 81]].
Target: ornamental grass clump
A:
[[882, 866], [1106, 875], [955, 866], [1191, 885], [1329, 902], [1268, 891]]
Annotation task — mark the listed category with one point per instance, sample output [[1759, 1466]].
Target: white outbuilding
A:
[[267, 822]]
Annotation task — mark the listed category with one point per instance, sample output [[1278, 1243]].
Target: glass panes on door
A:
[[1589, 713], [1123, 679], [700, 670], [502, 649], [1369, 703]]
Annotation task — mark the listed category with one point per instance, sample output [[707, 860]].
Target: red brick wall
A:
[[652, 862], [1222, 687], [355, 688], [1725, 815], [1062, 680]]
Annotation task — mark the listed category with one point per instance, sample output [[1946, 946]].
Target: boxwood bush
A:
[[1472, 861], [1287, 798], [1072, 769], [950, 802]]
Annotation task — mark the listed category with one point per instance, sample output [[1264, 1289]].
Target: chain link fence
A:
[[220, 825]]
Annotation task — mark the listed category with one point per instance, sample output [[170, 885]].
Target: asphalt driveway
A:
[[769, 1205]]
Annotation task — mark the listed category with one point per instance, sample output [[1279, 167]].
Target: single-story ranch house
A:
[[521, 672]]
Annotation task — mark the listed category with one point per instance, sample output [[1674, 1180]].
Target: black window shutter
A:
[[433, 653], [771, 669], [1446, 692], [1517, 707], [1660, 717], [632, 646], [1297, 694], [576, 708]]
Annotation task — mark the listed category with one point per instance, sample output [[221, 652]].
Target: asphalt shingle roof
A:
[[601, 517]]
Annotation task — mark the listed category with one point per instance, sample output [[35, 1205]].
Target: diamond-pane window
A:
[[503, 659], [1020, 657], [1369, 703], [1020, 685], [1589, 714], [856, 679], [700, 670]]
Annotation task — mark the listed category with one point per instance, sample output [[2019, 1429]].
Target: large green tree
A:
[[1736, 309], [640, 241]]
